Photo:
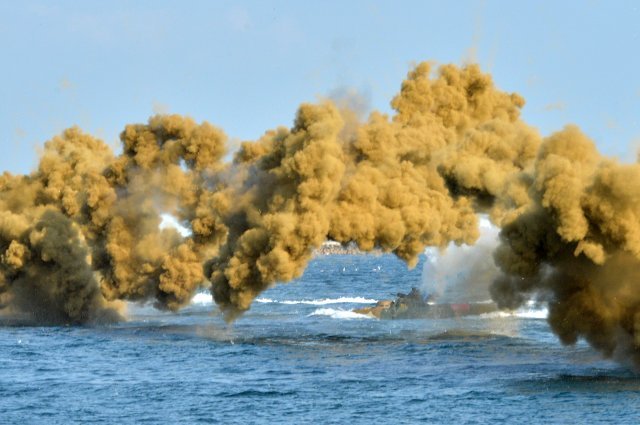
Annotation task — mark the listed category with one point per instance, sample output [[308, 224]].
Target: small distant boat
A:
[[415, 306]]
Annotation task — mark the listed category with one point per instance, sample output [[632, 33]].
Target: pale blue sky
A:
[[246, 66]]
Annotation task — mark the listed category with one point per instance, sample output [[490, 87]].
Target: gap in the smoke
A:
[[169, 221]]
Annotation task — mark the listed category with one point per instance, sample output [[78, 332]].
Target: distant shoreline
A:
[[336, 248]]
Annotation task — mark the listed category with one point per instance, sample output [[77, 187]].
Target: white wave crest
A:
[[523, 313], [324, 301], [338, 314], [531, 313]]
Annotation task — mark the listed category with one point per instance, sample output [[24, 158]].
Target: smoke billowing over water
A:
[[462, 273], [82, 232]]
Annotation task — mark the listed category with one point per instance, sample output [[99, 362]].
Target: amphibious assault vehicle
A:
[[415, 306]]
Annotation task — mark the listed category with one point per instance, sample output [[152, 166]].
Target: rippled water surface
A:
[[301, 356]]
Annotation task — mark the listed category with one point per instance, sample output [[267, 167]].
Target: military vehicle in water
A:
[[415, 306]]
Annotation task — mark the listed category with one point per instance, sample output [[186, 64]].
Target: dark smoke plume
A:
[[82, 233], [577, 245], [83, 230]]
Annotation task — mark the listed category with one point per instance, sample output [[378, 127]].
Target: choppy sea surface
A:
[[301, 356]]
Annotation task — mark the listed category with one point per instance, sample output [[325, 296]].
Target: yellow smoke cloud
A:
[[82, 231]]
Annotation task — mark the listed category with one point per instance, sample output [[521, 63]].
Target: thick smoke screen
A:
[[82, 233]]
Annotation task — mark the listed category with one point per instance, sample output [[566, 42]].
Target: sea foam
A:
[[338, 314]]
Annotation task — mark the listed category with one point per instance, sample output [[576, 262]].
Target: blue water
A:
[[310, 363]]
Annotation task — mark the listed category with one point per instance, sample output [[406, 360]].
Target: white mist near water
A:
[[462, 273]]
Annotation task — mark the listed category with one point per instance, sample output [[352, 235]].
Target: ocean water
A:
[[301, 356]]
